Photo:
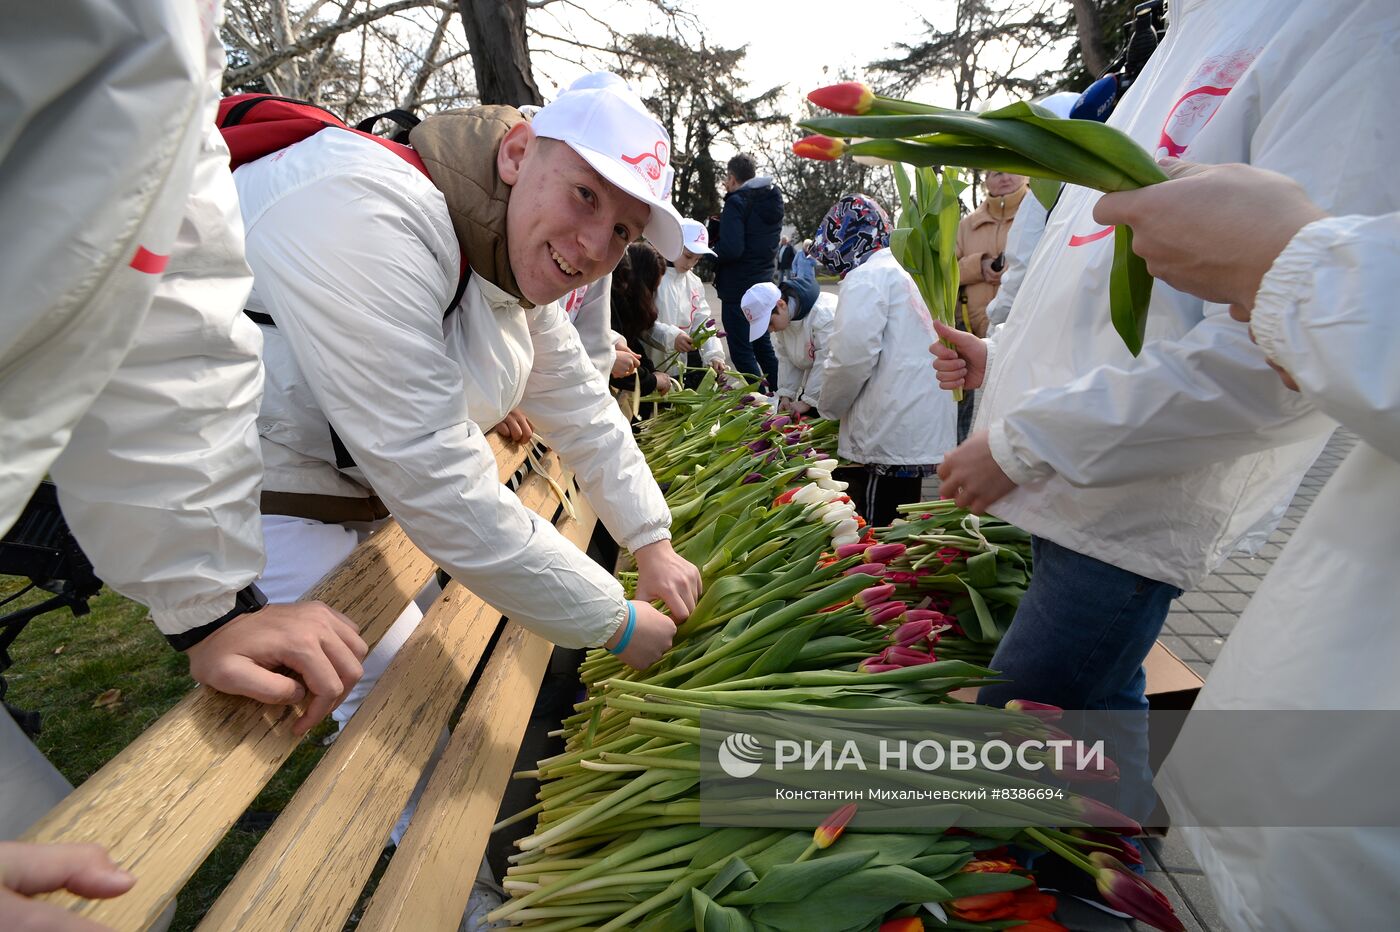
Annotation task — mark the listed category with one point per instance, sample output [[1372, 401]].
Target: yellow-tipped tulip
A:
[[833, 825]]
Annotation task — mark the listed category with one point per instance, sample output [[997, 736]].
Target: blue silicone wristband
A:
[[626, 631]]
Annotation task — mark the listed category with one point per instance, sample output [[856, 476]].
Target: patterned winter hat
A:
[[853, 229]]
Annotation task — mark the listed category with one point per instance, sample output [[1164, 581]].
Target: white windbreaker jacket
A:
[[1320, 633], [680, 305], [1165, 464], [877, 379], [588, 308], [801, 350], [127, 369], [354, 257]]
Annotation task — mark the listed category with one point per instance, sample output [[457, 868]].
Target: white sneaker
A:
[[487, 895]]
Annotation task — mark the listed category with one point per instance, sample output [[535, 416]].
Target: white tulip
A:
[[833, 485]]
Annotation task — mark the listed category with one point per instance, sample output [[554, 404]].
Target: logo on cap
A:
[[650, 165]]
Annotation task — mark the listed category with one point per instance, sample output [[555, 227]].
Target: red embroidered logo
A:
[[650, 163], [1193, 110], [573, 301]]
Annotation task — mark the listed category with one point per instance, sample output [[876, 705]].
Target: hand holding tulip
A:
[[651, 637], [972, 478], [684, 343], [1213, 230], [625, 361], [962, 365], [666, 575], [664, 383]]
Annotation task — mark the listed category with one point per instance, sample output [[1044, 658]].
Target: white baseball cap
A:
[[605, 122], [757, 304], [695, 238]]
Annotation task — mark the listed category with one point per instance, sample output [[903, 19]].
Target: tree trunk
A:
[[500, 55], [1090, 30]]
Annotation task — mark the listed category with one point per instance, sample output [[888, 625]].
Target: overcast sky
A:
[[801, 45]]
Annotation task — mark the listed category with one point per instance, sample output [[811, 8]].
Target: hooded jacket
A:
[[1320, 633], [1167, 463], [877, 380], [801, 349], [355, 254], [982, 235], [749, 229]]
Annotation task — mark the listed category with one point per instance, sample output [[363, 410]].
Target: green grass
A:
[[64, 663]]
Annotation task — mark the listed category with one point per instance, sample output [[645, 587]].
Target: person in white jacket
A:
[[1138, 476], [801, 320], [355, 253], [896, 423], [681, 308], [129, 375], [1319, 295]]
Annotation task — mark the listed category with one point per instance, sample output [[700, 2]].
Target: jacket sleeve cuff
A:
[[1017, 469], [1281, 286], [970, 268], [612, 626], [186, 626], [649, 536]]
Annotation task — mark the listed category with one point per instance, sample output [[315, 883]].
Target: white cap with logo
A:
[[695, 238], [606, 123], [757, 304]]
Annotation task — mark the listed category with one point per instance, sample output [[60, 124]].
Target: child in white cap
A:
[[800, 319], [682, 312]]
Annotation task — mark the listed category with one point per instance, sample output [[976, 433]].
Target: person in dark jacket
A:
[[634, 284], [785, 255], [747, 247]]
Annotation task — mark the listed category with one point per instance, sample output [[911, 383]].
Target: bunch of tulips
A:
[[1022, 138], [794, 608]]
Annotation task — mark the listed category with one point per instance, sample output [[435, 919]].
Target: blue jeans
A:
[[1078, 641], [756, 358]]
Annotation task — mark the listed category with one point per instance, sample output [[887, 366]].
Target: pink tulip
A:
[[884, 553], [912, 631], [1041, 710], [850, 550], [1128, 893], [869, 569], [873, 665], [886, 612], [874, 596], [908, 656], [924, 614], [1102, 815]]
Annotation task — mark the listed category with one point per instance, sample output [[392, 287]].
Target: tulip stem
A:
[[1063, 850]]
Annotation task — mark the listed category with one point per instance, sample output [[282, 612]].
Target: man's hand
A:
[[964, 364], [684, 343], [515, 427], [312, 640], [666, 575], [27, 869], [971, 477], [664, 383], [1213, 230], [651, 637], [625, 362], [801, 408], [990, 275]]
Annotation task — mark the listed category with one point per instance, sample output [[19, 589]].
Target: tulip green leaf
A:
[[712, 917], [789, 883], [780, 656], [721, 844], [1107, 143], [974, 884], [982, 569], [1045, 191], [1129, 290], [986, 625], [856, 897]]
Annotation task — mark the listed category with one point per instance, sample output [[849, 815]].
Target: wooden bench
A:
[[163, 803]]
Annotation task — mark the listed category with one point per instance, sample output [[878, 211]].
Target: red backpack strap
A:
[[255, 125]]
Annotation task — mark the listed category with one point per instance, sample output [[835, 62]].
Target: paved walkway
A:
[[1195, 631]]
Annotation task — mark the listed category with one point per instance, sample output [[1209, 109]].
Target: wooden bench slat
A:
[[430, 877], [308, 870], [168, 798]]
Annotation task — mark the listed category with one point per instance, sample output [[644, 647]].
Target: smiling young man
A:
[[376, 397]]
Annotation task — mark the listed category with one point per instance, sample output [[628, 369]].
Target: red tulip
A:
[[1102, 815], [821, 148], [884, 553], [850, 550], [786, 496], [989, 866], [1128, 893], [907, 924], [924, 614], [887, 612], [833, 825], [907, 656], [1124, 851], [875, 665], [852, 98]]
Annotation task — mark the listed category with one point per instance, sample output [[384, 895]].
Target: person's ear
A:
[[514, 149]]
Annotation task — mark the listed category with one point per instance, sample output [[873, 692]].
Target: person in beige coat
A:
[[981, 240], [981, 259]]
